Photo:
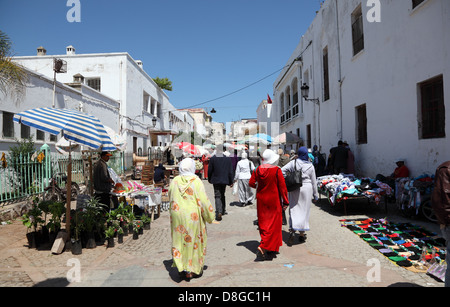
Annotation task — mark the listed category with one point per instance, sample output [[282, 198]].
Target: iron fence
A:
[[28, 175]]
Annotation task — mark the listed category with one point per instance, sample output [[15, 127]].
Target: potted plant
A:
[[109, 234], [130, 220], [31, 219], [146, 221], [120, 235], [44, 206], [136, 229], [77, 226], [93, 213], [57, 210]]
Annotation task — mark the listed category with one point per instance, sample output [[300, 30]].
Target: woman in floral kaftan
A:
[[190, 209]]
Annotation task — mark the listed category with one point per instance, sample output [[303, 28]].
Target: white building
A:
[[120, 77], [380, 86], [39, 93]]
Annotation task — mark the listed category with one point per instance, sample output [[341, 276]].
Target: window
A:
[[94, 83], [146, 101], [8, 125], [361, 124], [433, 109], [326, 79], [416, 3], [40, 135], [24, 131], [53, 138], [357, 31]]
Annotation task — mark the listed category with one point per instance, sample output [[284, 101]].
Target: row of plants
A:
[[43, 222], [91, 225]]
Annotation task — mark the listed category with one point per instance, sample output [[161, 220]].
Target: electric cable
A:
[[236, 91]]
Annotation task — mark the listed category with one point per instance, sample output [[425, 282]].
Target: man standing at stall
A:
[[103, 183], [440, 200]]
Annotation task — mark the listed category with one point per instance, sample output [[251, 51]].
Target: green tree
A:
[[163, 83], [12, 75]]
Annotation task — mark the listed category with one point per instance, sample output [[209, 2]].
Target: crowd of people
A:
[[260, 177]]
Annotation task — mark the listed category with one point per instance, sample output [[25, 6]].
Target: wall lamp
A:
[[305, 94]]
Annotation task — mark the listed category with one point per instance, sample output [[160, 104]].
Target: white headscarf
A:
[[244, 155], [187, 167]]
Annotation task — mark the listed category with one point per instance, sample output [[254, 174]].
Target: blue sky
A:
[[207, 48]]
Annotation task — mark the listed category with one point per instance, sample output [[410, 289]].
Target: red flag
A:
[[269, 101]]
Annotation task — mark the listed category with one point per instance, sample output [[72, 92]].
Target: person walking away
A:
[[300, 200], [255, 158], [244, 169], [271, 200], [284, 159], [339, 159], [319, 162], [205, 160], [440, 201], [190, 210], [350, 169], [103, 183], [220, 174]]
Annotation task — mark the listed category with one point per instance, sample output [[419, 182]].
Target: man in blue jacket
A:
[[220, 174]]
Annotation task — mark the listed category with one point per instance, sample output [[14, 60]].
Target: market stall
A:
[[145, 198], [341, 188]]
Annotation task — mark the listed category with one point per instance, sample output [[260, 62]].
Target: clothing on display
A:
[[407, 245], [340, 187]]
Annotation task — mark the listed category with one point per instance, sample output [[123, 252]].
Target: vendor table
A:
[[338, 188], [146, 199]]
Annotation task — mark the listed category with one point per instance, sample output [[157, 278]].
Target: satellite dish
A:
[[59, 66]]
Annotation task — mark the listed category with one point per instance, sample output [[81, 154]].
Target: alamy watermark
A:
[[374, 13], [74, 13]]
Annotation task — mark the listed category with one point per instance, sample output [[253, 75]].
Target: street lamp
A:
[[154, 122], [305, 94]]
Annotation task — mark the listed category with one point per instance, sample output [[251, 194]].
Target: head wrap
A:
[[187, 167], [303, 154], [244, 155], [270, 157]]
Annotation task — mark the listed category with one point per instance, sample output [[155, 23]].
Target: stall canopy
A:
[[287, 138], [75, 126]]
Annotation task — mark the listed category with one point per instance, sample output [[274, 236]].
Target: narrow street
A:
[[332, 256]]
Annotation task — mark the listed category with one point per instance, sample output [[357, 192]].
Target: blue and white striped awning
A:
[[75, 126]]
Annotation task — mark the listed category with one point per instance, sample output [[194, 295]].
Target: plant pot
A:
[[120, 239], [91, 240], [135, 235], [52, 237], [125, 230], [147, 226], [44, 234], [110, 242], [130, 228], [76, 247], [141, 230], [31, 237]]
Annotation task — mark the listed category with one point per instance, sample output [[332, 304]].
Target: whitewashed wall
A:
[[406, 48]]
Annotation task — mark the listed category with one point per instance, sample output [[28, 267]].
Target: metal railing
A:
[[28, 175]]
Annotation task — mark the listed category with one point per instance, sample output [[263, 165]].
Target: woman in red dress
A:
[[272, 198]]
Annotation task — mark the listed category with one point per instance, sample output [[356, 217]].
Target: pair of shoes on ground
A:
[[301, 238], [187, 276], [264, 255]]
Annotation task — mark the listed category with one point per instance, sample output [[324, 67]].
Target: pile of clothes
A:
[[405, 244], [341, 187]]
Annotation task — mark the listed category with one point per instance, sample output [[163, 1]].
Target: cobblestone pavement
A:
[[331, 256]]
